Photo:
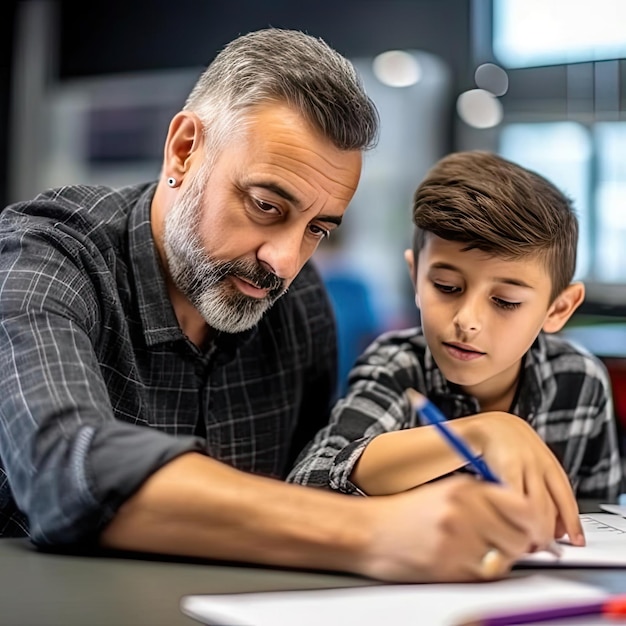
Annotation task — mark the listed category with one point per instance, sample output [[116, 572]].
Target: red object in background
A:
[[617, 372]]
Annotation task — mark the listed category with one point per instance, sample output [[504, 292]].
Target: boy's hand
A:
[[523, 461]]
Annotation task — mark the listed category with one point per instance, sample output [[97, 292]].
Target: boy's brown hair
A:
[[502, 208]]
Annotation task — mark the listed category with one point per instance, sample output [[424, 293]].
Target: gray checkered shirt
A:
[[564, 395], [100, 387]]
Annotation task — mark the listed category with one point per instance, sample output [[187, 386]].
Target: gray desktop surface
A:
[[38, 588], [46, 589]]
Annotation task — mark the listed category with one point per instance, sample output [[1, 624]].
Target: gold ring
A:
[[491, 565]]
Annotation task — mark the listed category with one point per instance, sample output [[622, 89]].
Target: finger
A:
[[543, 504], [567, 507]]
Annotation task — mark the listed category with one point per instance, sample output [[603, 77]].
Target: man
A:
[[167, 351]]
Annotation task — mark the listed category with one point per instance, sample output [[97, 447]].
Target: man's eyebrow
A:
[[277, 189], [331, 219], [283, 193]]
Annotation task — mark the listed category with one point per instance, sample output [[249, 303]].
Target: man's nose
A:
[[282, 254]]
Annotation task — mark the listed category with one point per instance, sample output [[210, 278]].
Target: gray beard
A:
[[202, 279]]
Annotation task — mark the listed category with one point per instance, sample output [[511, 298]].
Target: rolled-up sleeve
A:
[[70, 463], [375, 403]]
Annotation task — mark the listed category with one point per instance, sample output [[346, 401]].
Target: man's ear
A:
[[184, 138], [563, 307]]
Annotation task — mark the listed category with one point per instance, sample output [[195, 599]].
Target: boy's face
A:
[[480, 314]]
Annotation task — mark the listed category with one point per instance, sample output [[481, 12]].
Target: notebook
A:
[[606, 545], [400, 605], [427, 604]]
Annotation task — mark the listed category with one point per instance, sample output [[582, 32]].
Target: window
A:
[[588, 163], [538, 32]]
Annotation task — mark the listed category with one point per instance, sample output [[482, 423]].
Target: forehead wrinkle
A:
[[334, 166], [295, 190]]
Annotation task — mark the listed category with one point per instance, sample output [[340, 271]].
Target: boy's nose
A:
[[468, 317]]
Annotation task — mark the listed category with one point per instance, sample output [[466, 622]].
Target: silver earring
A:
[[172, 182]]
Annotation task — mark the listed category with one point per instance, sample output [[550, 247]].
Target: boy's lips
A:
[[462, 351]]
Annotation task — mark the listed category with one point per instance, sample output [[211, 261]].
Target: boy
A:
[[493, 258]]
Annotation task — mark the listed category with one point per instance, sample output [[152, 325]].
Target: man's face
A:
[[237, 235], [480, 313]]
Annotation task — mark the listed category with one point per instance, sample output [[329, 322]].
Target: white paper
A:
[[606, 545], [618, 509], [400, 605]]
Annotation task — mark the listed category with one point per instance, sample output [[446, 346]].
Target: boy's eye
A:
[[446, 288], [506, 305]]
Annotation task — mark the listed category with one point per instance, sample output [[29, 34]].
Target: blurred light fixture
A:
[[492, 78], [479, 108], [397, 68]]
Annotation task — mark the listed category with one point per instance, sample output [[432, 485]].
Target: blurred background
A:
[[87, 91]]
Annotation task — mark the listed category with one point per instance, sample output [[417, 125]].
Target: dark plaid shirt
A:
[[564, 394], [99, 387]]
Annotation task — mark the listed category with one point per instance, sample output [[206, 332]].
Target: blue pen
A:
[[434, 416]]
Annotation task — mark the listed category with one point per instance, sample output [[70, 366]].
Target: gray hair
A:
[[291, 67]]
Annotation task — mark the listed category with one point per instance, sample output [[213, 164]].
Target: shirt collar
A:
[[155, 309], [156, 313], [529, 395]]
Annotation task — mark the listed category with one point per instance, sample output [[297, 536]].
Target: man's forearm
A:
[[196, 506]]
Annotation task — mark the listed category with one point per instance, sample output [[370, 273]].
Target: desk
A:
[[39, 589]]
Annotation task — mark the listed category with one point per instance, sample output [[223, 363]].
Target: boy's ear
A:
[[563, 307], [410, 262], [409, 257]]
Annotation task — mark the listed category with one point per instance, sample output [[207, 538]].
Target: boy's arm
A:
[[374, 404]]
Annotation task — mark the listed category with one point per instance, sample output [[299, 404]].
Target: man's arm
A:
[[196, 506]]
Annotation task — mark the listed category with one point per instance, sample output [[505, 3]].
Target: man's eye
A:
[[318, 231], [266, 207]]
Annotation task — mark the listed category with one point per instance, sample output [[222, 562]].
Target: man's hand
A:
[[456, 529]]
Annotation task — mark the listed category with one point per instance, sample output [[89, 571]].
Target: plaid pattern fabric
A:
[[100, 387], [564, 395]]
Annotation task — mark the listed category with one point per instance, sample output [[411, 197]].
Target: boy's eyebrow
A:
[[513, 281], [517, 282]]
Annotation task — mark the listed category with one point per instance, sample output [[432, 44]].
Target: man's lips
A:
[[462, 351], [248, 288]]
